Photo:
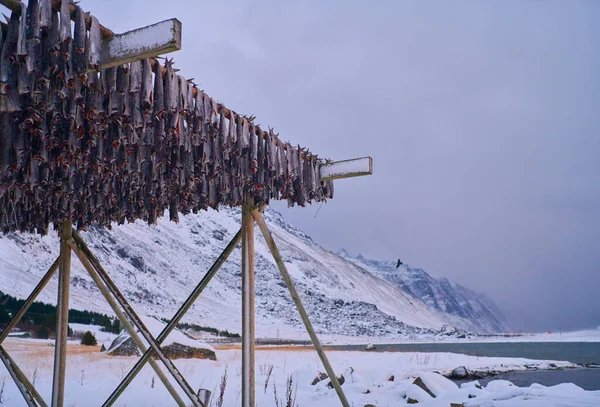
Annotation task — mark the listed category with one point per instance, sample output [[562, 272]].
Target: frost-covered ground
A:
[[590, 335], [92, 375]]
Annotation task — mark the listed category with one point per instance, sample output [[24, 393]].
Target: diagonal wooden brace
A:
[[29, 392], [135, 319], [175, 320], [292, 289], [36, 291], [121, 316]]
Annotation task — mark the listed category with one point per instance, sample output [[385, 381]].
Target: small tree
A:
[[42, 332], [89, 339]]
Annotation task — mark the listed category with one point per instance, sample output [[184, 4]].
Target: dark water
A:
[[588, 379], [584, 353], [574, 352]]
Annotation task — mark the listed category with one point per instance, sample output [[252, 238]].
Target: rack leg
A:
[[248, 398], [62, 315]]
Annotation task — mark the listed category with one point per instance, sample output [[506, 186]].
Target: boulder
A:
[[320, 376], [460, 372], [177, 345], [435, 384]]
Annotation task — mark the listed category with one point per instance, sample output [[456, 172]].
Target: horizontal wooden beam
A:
[[145, 42], [354, 167]]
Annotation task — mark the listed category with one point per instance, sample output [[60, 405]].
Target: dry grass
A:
[[294, 348]]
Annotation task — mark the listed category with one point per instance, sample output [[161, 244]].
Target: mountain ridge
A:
[[157, 266]]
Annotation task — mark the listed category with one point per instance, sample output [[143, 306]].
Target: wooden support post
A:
[[36, 291], [62, 315], [82, 250], [290, 284], [126, 324], [175, 320], [29, 392], [248, 384]]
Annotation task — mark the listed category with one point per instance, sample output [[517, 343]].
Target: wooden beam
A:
[[121, 316], [145, 42], [176, 319], [354, 167], [62, 315], [248, 382], [36, 291], [29, 392], [264, 229]]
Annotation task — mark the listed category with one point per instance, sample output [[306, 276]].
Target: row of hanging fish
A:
[[124, 143]]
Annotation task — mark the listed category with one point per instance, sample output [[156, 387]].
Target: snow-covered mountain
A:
[[157, 266], [454, 300]]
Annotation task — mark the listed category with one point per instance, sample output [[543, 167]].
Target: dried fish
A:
[[95, 44], [65, 21], [45, 14], [80, 62], [146, 86], [21, 47]]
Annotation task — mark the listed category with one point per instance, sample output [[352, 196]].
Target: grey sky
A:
[[483, 119]]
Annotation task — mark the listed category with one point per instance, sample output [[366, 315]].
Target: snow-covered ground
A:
[[590, 335], [91, 377]]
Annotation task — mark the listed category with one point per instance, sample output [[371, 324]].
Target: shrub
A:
[[42, 332], [89, 339]]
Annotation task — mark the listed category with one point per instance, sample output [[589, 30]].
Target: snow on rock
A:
[[435, 384], [157, 266], [415, 393], [94, 375], [464, 307], [176, 345]]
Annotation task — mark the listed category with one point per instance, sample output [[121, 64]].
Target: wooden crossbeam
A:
[[354, 167], [118, 49], [150, 41]]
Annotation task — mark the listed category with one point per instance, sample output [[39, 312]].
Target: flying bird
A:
[[399, 263]]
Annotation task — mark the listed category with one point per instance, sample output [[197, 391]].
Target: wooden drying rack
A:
[[72, 242]]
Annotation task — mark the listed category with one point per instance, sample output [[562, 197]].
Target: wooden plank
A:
[[36, 291], [175, 320], [354, 167], [87, 264], [264, 229], [62, 315], [248, 381], [145, 42]]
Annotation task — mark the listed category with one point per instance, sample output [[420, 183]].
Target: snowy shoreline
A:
[[378, 378]]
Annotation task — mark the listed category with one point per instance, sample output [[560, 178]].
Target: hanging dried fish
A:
[[146, 88], [45, 7], [21, 42], [80, 63], [65, 21], [9, 67], [32, 30], [95, 44]]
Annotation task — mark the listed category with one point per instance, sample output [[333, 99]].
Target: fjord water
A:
[[583, 353]]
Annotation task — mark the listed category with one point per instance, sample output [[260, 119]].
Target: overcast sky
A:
[[482, 118]]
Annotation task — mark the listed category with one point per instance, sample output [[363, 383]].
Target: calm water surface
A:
[[584, 353]]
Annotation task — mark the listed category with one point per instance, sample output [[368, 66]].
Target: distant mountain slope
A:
[[157, 266], [479, 312]]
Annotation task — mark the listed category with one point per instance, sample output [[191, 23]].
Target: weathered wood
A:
[[145, 42], [62, 315], [15, 6], [248, 377], [121, 316], [292, 289], [135, 319], [355, 167], [176, 319], [36, 291], [29, 392]]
